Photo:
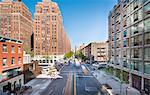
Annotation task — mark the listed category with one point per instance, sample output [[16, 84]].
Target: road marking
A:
[[75, 90], [50, 92], [68, 89], [63, 90]]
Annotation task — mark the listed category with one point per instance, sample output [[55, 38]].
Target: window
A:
[[135, 16], [137, 65], [147, 53], [4, 48], [4, 61], [147, 25], [19, 49], [147, 67], [147, 38], [147, 9], [135, 4], [124, 43], [124, 33], [19, 60], [137, 40], [12, 49], [13, 60], [137, 53]]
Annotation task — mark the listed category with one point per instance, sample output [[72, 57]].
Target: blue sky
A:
[[84, 20]]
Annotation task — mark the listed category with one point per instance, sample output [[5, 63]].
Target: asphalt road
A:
[[74, 82]]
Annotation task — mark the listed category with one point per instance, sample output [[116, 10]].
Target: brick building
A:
[[16, 21], [49, 35], [11, 64]]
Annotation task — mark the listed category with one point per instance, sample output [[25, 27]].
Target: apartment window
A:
[[147, 38], [137, 65], [135, 16], [13, 60], [134, 29], [147, 25], [124, 33], [13, 49], [147, 67], [135, 4], [19, 49], [137, 40], [147, 53], [147, 9], [19, 60], [125, 63], [4, 48], [137, 53], [124, 43], [4, 61]]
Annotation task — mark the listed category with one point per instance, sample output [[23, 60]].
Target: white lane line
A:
[[63, 90], [50, 92]]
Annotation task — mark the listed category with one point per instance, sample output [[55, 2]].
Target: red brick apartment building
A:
[[11, 64]]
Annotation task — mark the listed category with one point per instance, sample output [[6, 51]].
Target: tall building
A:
[[16, 21], [96, 51], [49, 35], [129, 43], [11, 64]]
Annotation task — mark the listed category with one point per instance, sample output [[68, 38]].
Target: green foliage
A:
[[80, 55], [28, 51], [68, 55]]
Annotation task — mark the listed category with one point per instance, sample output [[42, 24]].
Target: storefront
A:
[[12, 84], [136, 82], [147, 86]]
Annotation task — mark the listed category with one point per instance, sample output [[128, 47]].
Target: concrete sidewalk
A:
[[38, 85], [112, 81]]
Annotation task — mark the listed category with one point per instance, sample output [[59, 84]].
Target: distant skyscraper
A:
[[49, 35], [16, 21]]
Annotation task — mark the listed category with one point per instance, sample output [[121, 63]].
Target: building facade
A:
[[129, 43], [11, 64], [96, 51], [49, 35], [16, 21]]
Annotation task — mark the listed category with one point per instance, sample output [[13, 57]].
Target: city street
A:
[[74, 82]]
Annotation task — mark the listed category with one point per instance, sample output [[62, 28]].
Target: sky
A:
[[84, 21]]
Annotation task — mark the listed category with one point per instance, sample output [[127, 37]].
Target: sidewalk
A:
[[104, 78], [38, 85]]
